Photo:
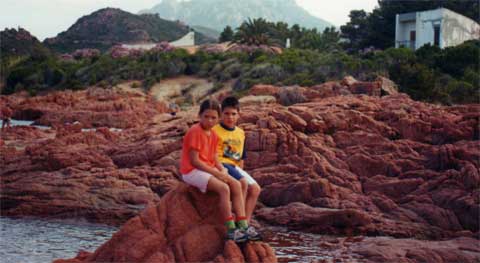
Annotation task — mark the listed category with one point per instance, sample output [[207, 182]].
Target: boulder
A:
[[184, 226], [387, 86]]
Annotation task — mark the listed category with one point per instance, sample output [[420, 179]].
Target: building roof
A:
[[412, 15]]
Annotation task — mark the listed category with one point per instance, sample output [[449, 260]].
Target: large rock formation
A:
[[339, 164], [402, 162], [67, 172], [185, 226], [408, 250], [347, 86], [94, 107]]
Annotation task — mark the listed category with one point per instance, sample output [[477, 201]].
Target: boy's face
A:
[[230, 117], [208, 119]]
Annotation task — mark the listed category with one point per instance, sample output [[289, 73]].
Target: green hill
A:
[[110, 26], [17, 43]]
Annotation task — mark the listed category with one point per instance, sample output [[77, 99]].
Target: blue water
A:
[[35, 240], [30, 123], [24, 123]]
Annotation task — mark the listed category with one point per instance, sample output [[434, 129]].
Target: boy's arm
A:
[[241, 164], [244, 155], [219, 165]]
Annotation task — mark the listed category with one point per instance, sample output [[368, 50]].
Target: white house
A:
[[440, 27]]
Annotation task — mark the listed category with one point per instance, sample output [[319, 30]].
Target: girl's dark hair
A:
[[210, 104], [230, 102]]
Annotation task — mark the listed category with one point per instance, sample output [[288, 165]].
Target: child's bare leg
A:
[[237, 197], [223, 191], [251, 200], [244, 184]]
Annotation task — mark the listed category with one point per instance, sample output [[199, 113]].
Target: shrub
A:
[[454, 60], [290, 95], [273, 71], [463, 92]]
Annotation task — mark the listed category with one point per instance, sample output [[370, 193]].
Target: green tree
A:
[[454, 60], [226, 35], [330, 39], [254, 32], [280, 32], [356, 30]]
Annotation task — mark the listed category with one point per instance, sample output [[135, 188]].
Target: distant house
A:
[[440, 27]]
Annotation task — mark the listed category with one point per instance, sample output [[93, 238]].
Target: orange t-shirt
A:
[[197, 139]]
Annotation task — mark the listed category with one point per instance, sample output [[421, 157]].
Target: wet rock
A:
[[184, 226], [316, 220], [412, 167], [408, 250]]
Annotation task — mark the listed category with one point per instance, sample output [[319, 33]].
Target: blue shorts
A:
[[232, 171]]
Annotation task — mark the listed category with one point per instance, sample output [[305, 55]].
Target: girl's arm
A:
[[197, 163], [219, 165]]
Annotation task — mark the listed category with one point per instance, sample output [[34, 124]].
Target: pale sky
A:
[[47, 18]]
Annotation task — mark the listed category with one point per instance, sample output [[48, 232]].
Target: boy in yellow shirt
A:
[[231, 153]]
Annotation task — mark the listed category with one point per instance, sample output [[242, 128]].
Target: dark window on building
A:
[[412, 35], [436, 35]]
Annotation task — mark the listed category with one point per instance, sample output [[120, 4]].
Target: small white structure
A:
[[440, 27], [185, 41], [287, 44]]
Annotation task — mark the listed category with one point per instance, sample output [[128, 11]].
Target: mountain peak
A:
[[110, 26], [17, 42], [217, 14]]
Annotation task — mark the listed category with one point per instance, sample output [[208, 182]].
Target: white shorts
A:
[[250, 179], [197, 178]]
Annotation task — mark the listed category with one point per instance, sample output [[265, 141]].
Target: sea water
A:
[[40, 240], [24, 123], [34, 240]]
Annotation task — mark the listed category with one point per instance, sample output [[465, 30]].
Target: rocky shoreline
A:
[[399, 175]]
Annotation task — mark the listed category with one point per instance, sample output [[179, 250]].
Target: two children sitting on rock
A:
[[212, 160]]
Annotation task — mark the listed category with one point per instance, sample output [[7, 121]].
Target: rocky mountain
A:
[[217, 14], [17, 42], [109, 26]]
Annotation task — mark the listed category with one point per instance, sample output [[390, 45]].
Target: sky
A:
[[47, 18]]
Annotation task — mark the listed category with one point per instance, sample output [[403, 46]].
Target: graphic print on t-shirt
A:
[[231, 149]]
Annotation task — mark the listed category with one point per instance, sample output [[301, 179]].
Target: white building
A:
[[185, 41], [440, 27]]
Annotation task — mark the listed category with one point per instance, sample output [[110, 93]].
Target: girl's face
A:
[[208, 119]]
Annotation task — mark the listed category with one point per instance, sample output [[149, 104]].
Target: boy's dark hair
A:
[[230, 102], [210, 104]]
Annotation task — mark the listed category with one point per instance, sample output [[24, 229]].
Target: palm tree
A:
[[253, 32]]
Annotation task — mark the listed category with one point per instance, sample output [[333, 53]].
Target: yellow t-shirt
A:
[[230, 146]]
